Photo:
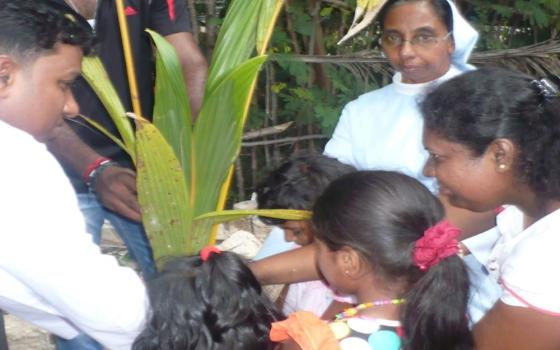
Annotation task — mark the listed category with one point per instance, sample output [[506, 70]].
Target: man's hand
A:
[[115, 187]]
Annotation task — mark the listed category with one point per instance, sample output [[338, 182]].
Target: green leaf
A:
[[217, 143], [325, 12], [278, 87], [265, 25], [172, 112], [303, 24], [217, 217], [96, 75], [236, 41], [162, 193], [541, 18], [505, 11]]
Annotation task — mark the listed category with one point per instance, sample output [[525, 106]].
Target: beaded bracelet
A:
[[95, 172], [93, 166]]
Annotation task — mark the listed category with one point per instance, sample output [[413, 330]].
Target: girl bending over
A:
[[380, 237], [207, 302]]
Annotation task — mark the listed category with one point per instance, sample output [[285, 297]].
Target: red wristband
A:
[[92, 167]]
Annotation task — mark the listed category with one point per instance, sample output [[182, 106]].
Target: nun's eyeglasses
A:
[[391, 41]]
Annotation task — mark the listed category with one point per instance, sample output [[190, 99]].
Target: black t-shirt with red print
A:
[[165, 17]]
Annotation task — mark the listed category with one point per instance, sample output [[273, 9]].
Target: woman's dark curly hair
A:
[[31, 28], [479, 107], [213, 305]]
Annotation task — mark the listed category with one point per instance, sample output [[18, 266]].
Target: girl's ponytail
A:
[[394, 222], [434, 315]]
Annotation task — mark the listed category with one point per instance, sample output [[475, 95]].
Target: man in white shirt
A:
[[51, 273]]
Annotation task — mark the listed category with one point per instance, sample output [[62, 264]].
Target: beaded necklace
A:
[[350, 312]]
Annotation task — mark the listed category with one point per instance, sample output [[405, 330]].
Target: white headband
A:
[[465, 39]]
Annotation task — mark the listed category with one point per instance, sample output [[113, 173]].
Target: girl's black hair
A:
[[213, 305], [441, 8], [298, 182], [479, 107], [382, 214]]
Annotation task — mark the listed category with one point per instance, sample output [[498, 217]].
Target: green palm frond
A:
[[181, 168]]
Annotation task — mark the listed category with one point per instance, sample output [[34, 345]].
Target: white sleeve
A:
[[340, 144], [291, 301], [529, 274], [53, 262]]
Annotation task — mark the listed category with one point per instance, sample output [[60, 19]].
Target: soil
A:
[[24, 336]]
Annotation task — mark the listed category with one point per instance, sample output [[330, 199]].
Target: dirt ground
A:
[[23, 336]]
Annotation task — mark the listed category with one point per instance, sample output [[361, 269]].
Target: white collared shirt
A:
[[485, 291], [51, 273], [525, 260]]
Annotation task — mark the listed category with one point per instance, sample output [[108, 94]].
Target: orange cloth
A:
[[307, 330]]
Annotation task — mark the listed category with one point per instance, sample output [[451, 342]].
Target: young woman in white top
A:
[[494, 139]]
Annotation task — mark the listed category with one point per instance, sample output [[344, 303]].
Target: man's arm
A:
[[195, 68], [173, 23], [115, 186]]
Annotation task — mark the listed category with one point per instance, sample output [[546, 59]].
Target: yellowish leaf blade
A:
[[96, 75], [162, 193]]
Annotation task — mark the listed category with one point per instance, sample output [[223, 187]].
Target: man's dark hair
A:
[[31, 28]]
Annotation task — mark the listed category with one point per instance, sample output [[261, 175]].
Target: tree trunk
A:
[[194, 21], [211, 28]]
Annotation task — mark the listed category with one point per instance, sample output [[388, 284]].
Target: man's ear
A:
[[351, 261], [503, 153], [7, 69]]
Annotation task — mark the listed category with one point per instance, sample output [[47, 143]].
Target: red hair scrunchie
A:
[[438, 243], [207, 251]]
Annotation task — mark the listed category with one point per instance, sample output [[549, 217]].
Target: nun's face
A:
[[416, 42]]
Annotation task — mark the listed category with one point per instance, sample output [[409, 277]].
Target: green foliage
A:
[[181, 167], [514, 23], [305, 98]]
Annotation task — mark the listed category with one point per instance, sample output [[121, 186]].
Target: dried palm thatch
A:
[[538, 60]]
